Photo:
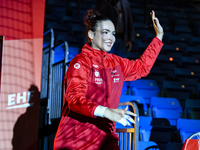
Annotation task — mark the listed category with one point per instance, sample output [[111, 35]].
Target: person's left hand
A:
[[129, 44]]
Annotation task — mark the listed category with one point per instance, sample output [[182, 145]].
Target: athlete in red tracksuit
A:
[[95, 78]]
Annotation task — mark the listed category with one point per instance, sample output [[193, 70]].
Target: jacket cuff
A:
[[158, 39], [99, 111]]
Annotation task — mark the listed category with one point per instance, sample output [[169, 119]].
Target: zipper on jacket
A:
[[108, 79]]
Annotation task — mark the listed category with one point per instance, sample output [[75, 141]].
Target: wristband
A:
[[99, 111]]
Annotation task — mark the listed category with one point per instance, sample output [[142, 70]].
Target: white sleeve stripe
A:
[[99, 111]]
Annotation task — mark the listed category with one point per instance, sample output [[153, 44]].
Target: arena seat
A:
[[192, 108], [146, 88], [187, 127], [186, 76], [148, 145], [174, 146], [163, 107], [152, 129], [176, 89]]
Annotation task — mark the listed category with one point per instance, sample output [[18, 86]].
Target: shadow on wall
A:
[[25, 132]]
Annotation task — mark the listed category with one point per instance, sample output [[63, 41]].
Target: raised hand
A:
[[158, 28]]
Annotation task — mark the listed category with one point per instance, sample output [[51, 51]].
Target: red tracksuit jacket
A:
[[96, 78]]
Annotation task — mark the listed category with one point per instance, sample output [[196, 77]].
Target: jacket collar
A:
[[94, 52]]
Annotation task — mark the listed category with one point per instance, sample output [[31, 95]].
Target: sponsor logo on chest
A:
[[116, 80], [98, 79], [115, 76]]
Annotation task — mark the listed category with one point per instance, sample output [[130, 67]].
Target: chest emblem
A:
[[96, 73]]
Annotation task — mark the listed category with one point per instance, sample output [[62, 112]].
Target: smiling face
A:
[[104, 36]]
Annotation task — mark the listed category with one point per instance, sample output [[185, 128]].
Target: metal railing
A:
[[56, 87], [52, 76], [129, 137], [48, 42], [56, 84]]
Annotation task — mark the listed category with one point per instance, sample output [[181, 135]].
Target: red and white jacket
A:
[[95, 78]]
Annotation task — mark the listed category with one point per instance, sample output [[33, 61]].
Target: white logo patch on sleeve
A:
[[77, 65]]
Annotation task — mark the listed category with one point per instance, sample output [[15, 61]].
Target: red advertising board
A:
[[21, 31]]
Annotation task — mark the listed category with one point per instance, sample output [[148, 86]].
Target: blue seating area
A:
[[187, 127], [168, 98], [163, 107], [192, 109], [174, 145], [158, 130], [176, 89], [145, 88], [141, 103], [150, 145]]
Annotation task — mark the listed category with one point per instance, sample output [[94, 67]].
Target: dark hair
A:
[[91, 20]]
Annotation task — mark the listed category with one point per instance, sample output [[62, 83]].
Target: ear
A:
[[90, 34]]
